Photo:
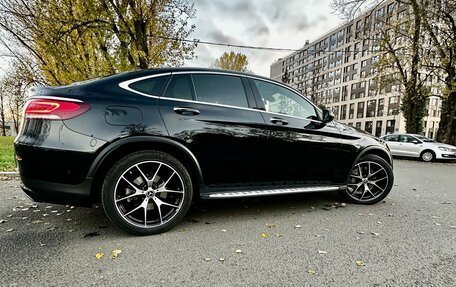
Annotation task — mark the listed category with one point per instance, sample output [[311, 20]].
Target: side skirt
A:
[[270, 191]]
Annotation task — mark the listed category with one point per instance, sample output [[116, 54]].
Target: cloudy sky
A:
[[271, 23]]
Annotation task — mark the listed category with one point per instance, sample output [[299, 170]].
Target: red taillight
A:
[[54, 109]]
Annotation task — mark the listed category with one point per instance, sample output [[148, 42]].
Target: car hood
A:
[[352, 131], [437, 144]]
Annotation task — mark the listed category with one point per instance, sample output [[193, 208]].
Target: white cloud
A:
[[271, 23]]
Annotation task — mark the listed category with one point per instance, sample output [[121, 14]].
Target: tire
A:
[[147, 192], [427, 155], [376, 174]]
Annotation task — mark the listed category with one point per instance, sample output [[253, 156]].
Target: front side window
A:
[[407, 139], [392, 138], [151, 86], [220, 89], [280, 100]]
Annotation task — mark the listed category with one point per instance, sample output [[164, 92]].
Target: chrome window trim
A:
[[56, 98], [210, 104], [125, 85]]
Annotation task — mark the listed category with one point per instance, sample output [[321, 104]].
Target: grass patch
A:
[[7, 161]]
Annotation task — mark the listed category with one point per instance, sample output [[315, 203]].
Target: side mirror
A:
[[416, 142], [328, 116]]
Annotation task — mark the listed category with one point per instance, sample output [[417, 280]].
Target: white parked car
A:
[[418, 146]]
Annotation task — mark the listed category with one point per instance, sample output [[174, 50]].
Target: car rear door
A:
[[301, 149], [393, 143], [212, 114]]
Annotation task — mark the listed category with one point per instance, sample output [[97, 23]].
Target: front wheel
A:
[[427, 156], [370, 181], [147, 192]]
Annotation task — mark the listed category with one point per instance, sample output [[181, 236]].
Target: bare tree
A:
[[2, 111], [439, 21], [15, 83], [397, 42]]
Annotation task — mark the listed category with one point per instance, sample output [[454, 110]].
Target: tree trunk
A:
[[447, 125], [2, 115]]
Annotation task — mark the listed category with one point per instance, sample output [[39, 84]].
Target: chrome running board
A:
[[262, 192]]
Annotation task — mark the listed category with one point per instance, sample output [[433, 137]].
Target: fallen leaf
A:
[[438, 224], [2, 221], [270, 225], [265, 235], [297, 226], [375, 233], [343, 204], [9, 216], [311, 271], [238, 251], [360, 232], [222, 259], [454, 227], [42, 244], [207, 259], [322, 252], [223, 230], [279, 235], [379, 222], [115, 253], [10, 230], [360, 263], [99, 255]]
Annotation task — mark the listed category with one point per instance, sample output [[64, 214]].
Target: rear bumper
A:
[[50, 192]]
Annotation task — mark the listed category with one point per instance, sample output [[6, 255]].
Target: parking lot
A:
[[301, 240]]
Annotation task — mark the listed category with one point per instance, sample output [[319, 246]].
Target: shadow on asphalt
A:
[[58, 223]]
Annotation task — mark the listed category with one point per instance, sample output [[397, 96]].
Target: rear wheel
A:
[[370, 180], [147, 192], [427, 156]]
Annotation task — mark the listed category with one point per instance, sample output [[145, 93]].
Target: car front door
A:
[[301, 149], [211, 114], [410, 146]]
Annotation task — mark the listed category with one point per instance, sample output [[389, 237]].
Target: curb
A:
[[9, 174]]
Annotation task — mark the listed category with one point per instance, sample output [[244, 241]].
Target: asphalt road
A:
[[407, 240]]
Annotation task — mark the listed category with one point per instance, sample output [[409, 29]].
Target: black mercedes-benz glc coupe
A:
[[148, 142]]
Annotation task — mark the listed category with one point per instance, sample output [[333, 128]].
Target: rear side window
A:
[[220, 89], [179, 88], [152, 86]]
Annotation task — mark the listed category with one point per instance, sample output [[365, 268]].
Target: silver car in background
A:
[[418, 146]]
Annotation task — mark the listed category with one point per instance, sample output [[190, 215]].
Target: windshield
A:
[[425, 139]]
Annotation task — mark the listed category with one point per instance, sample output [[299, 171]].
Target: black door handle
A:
[[278, 121], [186, 111]]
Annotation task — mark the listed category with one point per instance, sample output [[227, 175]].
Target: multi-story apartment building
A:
[[337, 70]]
